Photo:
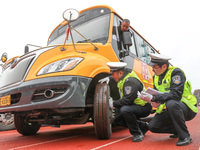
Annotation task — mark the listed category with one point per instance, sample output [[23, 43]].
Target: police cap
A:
[[156, 59], [116, 66]]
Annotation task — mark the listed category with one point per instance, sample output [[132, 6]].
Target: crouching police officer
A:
[[131, 107], [180, 104]]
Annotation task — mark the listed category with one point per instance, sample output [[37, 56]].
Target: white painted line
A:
[[111, 143], [43, 142], [47, 142]]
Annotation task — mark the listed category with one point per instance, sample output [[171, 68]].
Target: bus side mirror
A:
[[127, 38], [4, 57], [70, 15], [127, 43], [26, 49]]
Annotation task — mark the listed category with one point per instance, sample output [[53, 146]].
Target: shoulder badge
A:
[[176, 79], [128, 90]]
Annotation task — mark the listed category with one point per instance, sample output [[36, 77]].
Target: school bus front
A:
[[58, 84]]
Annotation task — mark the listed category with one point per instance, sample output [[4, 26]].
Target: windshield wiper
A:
[[84, 41], [101, 39], [95, 48]]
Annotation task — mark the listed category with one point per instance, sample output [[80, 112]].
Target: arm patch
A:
[[128, 90], [176, 79]]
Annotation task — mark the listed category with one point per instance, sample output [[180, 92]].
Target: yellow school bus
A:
[[58, 84]]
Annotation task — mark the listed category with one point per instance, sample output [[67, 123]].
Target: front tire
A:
[[102, 112], [25, 128]]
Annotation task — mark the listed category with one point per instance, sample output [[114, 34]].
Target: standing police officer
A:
[[180, 104], [131, 107]]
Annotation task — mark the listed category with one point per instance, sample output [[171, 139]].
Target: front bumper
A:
[[28, 95]]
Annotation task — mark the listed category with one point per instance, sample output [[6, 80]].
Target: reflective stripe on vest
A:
[[120, 85], [187, 97]]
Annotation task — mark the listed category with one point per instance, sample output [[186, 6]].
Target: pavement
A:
[[75, 137]]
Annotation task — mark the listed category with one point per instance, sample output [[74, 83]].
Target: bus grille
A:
[[46, 94], [15, 98]]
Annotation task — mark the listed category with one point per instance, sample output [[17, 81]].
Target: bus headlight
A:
[[61, 65]]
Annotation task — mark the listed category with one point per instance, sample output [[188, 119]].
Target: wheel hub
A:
[[7, 118]]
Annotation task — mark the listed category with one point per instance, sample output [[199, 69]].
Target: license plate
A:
[[5, 100]]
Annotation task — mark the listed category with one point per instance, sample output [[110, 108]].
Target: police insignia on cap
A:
[[128, 90], [176, 79]]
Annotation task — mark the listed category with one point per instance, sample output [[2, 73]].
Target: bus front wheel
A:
[[25, 128], [102, 112]]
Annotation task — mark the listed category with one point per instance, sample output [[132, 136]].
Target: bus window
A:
[[116, 43], [130, 58], [95, 27], [148, 50], [132, 47], [142, 48]]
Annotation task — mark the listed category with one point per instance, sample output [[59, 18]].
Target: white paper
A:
[[152, 91]]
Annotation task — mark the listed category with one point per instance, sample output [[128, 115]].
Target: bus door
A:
[[117, 43], [137, 57]]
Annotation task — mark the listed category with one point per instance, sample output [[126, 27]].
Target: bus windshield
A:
[[95, 29]]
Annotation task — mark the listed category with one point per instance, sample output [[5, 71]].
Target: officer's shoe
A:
[[173, 136], [145, 128], [186, 141], [138, 138]]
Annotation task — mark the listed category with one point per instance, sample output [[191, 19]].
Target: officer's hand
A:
[[155, 105], [138, 94], [106, 79], [111, 103], [145, 96]]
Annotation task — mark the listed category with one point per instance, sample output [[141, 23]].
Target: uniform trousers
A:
[[172, 120], [129, 114]]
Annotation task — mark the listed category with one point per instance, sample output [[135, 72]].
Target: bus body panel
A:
[[30, 95], [93, 62]]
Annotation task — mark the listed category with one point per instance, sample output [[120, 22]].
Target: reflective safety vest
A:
[[187, 96], [120, 85]]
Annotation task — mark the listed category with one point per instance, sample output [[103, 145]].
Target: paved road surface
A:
[[75, 137]]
